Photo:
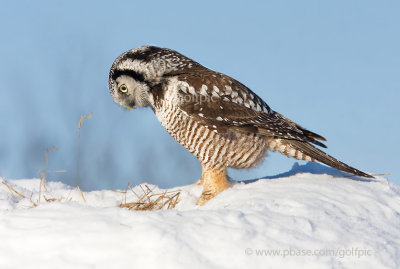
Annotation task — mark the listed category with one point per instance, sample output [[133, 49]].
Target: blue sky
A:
[[333, 67]]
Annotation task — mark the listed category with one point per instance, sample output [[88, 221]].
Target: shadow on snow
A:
[[312, 168]]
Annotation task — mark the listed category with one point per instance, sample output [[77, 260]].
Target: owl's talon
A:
[[209, 194], [205, 197]]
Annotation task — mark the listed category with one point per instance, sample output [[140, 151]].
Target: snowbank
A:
[[301, 221]]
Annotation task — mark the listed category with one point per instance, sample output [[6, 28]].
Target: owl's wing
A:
[[224, 104]]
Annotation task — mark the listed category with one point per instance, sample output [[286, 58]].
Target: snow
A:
[[302, 217]]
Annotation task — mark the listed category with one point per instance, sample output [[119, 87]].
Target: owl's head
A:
[[136, 72]]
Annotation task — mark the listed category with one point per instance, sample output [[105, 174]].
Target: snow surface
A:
[[309, 220]]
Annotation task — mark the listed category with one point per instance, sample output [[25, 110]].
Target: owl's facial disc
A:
[[129, 92], [122, 88]]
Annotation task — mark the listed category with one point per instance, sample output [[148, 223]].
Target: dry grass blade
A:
[[83, 197], [174, 201], [83, 118], [149, 200], [15, 192], [42, 184], [12, 190], [135, 193], [126, 190], [49, 200], [45, 171]]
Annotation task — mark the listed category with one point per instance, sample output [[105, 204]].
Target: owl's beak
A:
[[130, 107]]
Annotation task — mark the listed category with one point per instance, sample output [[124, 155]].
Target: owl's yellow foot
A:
[[214, 181]]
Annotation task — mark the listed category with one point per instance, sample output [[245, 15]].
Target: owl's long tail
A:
[[305, 151]]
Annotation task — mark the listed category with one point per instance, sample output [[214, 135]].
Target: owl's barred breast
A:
[[214, 150]]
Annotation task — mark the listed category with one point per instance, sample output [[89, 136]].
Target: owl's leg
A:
[[214, 182]]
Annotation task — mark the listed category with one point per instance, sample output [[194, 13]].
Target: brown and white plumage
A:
[[221, 121]]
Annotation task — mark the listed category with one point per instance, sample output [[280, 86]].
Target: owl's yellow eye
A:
[[123, 88]]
